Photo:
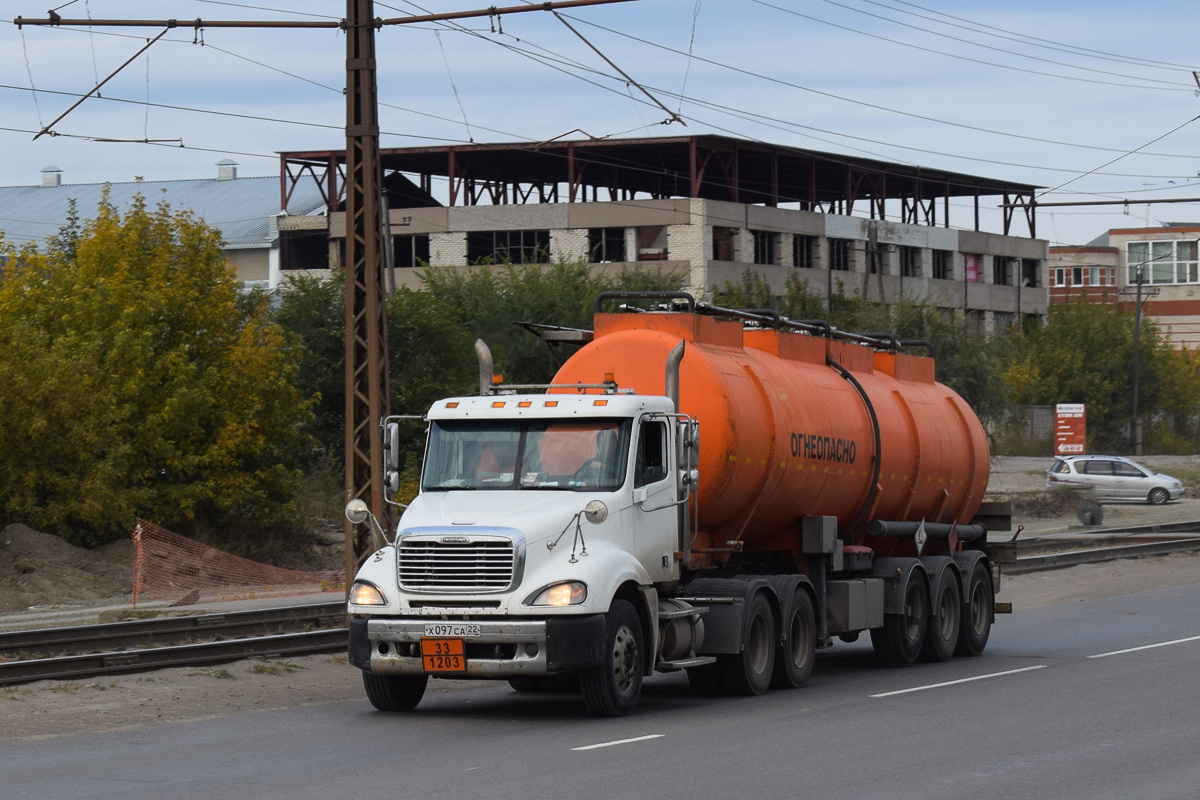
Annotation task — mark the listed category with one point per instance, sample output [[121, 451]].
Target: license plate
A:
[[443, 655], [456, 629]]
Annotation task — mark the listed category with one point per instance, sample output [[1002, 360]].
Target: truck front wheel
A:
[[613, 688], [394, 692], [899, 640], [749, 672]]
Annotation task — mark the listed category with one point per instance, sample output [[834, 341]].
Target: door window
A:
[[651, 454]]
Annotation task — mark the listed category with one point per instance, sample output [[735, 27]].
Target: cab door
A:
[[655, 515]]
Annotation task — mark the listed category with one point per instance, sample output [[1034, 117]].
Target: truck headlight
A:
[[364, 594], [570, 593]]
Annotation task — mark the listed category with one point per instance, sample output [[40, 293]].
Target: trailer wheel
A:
[[794, 658], [899, 640], [749, 672], [978, 611], [613, 688], [941, 633], [394, 692]]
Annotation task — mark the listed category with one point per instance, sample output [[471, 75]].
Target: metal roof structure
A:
[[240, 208], [703, 166]]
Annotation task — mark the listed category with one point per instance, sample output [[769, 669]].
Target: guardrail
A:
[[140, 645]]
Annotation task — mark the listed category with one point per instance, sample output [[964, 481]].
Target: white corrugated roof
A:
[[238, 208]]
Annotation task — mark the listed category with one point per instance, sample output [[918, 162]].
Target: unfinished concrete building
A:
[[706, 208]]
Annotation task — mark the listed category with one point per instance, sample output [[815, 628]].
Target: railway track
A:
[[141, 645], [88, 650]]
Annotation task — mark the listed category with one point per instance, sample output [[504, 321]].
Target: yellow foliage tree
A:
[[136, 379]]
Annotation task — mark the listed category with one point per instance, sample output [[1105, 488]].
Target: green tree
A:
[[137, 380], [1084, 354]]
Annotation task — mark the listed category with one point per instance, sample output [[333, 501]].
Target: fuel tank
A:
[[793, 424]]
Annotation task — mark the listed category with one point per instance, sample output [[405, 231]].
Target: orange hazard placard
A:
[[1070, 429]]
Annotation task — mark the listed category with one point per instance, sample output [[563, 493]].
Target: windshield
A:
[[586, 455]]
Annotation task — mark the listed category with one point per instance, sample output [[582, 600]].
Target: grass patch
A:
[[212, 672], [275, 667]]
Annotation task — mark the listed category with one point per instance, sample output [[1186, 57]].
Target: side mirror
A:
[[357, 511], [687, 440], [391, 447]]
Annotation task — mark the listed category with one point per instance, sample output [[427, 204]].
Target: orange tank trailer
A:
[[783, 434]]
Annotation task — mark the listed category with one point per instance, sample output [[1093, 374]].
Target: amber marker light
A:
[[451, 405], [498, 404], [600, 402], [524, 404], [551, 404]]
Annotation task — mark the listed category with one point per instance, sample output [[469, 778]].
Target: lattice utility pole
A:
[[366, 294]]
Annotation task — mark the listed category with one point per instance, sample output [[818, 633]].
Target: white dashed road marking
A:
[[963, 680], [619, 741]]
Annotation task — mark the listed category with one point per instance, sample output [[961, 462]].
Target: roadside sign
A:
[[1070, 429]]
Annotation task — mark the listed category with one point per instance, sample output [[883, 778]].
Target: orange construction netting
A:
[[169, 566]]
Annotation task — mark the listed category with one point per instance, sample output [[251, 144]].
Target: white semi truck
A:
[[699, 489]]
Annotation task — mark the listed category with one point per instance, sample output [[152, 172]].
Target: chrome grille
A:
[[481, 564]]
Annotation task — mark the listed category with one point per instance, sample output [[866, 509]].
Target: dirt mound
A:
[[1048, 503], [40, 569]]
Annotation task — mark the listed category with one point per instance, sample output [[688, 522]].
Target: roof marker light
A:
[[551, 404], [599, 402], [451, 405], [498, 404], [524, 404]]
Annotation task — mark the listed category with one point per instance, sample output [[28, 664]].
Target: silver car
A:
[[1113, 478]]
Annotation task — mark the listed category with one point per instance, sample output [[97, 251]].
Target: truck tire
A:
[[794, 658], [900, 639], [613, 688], [941, 632], [394, 692], [749, 672], [978, 611]]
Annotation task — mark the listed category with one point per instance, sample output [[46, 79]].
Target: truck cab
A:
[[535, 514]]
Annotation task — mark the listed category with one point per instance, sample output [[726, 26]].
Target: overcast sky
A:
[[1038, 92]]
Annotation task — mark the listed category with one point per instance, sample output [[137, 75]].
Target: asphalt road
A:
[[1054, 709]]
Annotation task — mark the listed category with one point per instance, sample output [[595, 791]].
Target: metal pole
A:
[[1137, 352], [366, 307]]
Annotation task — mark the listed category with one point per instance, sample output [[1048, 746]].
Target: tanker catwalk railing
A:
[[760, 316]]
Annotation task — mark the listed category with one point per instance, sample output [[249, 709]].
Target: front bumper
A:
[[504, 648]]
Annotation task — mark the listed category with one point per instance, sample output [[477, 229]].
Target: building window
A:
[[508, 247], [839, 255], [1163, 262], [1030, 267], [411, 251], [1003, 322], [722, 244], [910, 264], [303, 249], [804, 252], [606, 244], [765, 246], [1001, 270], [941, 264]]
